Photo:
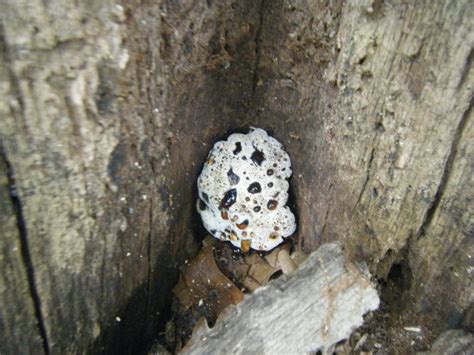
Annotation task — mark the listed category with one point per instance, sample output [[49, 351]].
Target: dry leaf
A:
[[202, 283]]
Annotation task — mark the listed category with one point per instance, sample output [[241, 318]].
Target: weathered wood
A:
[[374, 102], [82, 149], [19, 330], [406, 85], [312, 309], [453, 342], [107, 113]]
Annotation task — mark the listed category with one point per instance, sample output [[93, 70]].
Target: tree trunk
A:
[[108, 111]]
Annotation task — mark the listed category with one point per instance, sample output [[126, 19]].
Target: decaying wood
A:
[[107, 112], [373, 101], [312, 309], [452, 342], [19, 330], [84, 263]]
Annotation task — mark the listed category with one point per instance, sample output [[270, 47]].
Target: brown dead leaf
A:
[[259, 272], [201, 282]]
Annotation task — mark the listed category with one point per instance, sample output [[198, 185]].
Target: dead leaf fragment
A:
[[201, 282]]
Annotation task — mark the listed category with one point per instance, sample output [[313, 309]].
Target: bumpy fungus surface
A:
[[243, 191]]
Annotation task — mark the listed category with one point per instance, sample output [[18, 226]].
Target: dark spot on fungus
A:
[[229, 198], [273, 236], [244, 158], [238, 148], [243, 225], [257, 209], [254, 188], [272, 204], [213, 231], [270, 172], [205, 197], [270, 184], [202, 205], [275, 165], [233, 177], [257, 157], [247, 199]]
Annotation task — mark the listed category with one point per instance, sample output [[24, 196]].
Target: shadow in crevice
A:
[[208, 104], [397, 281], [125, 334]]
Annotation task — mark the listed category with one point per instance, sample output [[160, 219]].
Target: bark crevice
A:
[[364, 185], [466, 68], [149, 264], [447, 171], [25, 250]]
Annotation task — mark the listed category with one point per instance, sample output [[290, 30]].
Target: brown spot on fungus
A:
[[273, 236], [224, 214], [233, 236], [272, 204], [243, 225], [245, 245]]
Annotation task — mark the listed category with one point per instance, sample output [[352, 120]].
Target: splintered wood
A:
[[317, 306]]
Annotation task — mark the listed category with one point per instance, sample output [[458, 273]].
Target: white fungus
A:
[[243, 191]]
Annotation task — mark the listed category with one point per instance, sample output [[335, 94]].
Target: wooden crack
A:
[[447, 171], [25, 249]]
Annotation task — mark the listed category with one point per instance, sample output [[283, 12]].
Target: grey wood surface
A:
[[310, 310]]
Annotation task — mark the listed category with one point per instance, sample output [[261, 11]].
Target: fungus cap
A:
[[243, 191]]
